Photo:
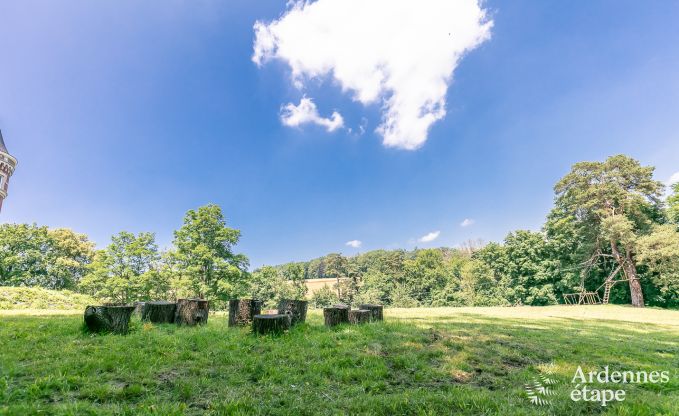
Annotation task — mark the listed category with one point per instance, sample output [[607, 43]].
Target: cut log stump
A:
[[295, 308], [360, 316], [338, 314], [377, 311], [159, 312], [114, 319], [191, 312], [270, 324], [241, 311]]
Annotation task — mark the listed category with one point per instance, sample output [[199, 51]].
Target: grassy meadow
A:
[[13, 298], [469, 361]]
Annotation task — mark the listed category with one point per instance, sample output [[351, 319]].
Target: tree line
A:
[[201, 262], [608, 217]]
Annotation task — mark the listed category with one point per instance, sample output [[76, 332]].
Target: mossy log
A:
[[270, 324], [338, 314], [241, 311], [115, 319], [159, 312], [191, 312], [359, 316], [377, 311], [295, 308]]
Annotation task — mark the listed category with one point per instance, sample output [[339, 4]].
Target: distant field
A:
[[420, 361]]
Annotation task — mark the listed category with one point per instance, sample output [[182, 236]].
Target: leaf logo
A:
[[548, 381], [542, 388]]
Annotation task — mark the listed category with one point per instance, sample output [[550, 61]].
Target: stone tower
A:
[[7, 165]]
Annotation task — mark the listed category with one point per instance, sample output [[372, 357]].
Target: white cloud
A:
[[673, 179], [354, 243], [467, 222], [400, 54], [429, 237], [306, 112]]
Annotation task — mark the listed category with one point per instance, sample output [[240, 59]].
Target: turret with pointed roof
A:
[[3, 148], [7, 165]]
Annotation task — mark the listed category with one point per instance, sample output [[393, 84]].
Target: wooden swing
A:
[[592, 298], [582, 298]]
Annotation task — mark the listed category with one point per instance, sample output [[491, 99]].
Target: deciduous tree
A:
[[38, 256], [126, 270], [205, 258]]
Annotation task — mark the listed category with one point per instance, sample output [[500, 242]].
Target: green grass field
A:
[[472, 361]]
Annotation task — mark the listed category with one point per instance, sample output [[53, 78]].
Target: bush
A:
[[323, 297], [39, 298]]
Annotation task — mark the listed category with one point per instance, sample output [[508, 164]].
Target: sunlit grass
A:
[[420, 361]]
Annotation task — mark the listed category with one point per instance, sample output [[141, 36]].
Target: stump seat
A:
[[295, 308], [360, 316], [377, 311], [160, 312], [241, 311], [270, 324], [115, 319], [192, 312], [335, 315]]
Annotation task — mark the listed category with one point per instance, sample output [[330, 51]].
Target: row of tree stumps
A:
[[243, 312], [116, 319]]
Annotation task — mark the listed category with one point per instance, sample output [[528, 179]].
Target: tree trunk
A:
[[360, 316], [241, 311], [338, 314], [114, 319], [295, 308], [630, 269], [270, 324], [635, 290], [138, 306], [159, 312], [376, 311], [192, 312]]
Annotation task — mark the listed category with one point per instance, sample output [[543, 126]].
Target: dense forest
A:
[[608, 218]]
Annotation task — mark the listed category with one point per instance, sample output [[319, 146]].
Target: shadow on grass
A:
[[464, 364]]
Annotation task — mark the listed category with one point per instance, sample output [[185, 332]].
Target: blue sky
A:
[[123, 116]]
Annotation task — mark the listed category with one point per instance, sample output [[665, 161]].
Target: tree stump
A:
[[338, 314], [375, 310], [270, 324], [159, 312], [114, 319], [241, 311], [295, 308], [359, 316], [191, 312]]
